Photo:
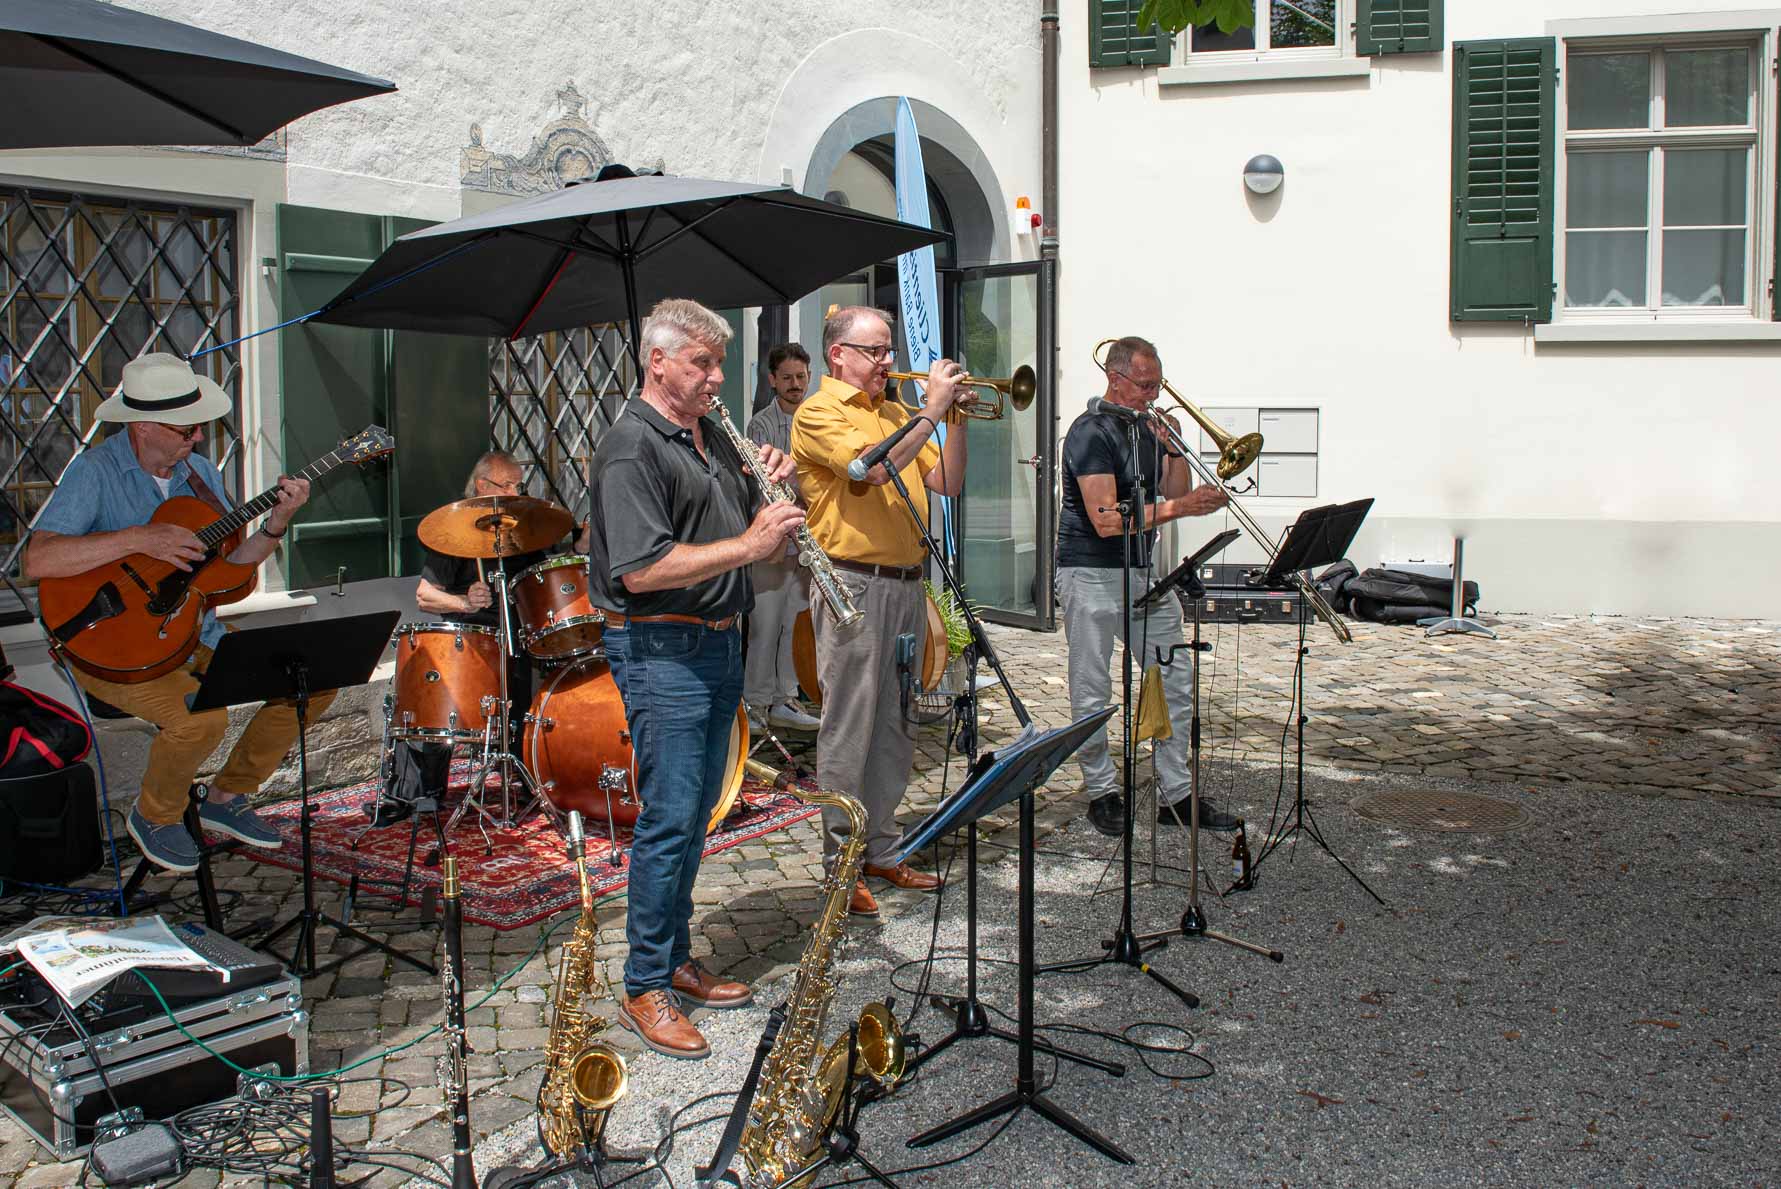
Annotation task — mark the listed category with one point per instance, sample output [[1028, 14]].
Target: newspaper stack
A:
[[78, 955]]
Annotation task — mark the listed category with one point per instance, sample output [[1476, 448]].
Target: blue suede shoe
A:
[[237, 819], [165, 846]]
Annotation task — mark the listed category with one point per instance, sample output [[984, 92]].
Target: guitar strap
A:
[[202, 490]]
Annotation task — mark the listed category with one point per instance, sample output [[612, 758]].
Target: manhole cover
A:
[[1448, 813]]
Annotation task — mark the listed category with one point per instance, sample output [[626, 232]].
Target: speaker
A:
[[49, 826]]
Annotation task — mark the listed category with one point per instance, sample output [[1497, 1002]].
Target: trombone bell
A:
[[1017, 390]]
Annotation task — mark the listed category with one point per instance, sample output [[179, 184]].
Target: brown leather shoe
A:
[[659, 1024], [862, 904], [699, 987], [904, 876]]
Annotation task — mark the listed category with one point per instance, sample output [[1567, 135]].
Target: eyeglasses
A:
[[188, 433], [876, 352], [512, 486], [1153, 386]]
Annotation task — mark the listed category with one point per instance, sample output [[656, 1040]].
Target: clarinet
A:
[[810, 554], [454, 1073]]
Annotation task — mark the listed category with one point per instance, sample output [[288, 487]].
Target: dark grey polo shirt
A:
[[652, 490]]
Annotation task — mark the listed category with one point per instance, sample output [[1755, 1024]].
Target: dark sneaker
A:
[[236, 819], [164, 846], [1107, 814], [1211, 817]]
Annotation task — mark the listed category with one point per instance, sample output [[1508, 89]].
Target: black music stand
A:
[[1319, 537], [1001, 776], [291, 661]]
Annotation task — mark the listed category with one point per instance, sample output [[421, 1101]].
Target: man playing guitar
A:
[[98, 514]]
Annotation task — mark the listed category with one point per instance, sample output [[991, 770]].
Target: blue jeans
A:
[[681, 684]]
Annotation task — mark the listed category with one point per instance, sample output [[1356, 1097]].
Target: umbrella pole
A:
[[627, 260]]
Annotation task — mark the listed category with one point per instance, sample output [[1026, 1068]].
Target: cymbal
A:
[[495, 526]]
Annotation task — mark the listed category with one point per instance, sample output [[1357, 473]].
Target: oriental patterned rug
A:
[[520, 876]]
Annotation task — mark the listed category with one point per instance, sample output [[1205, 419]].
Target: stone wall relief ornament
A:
[[564, 151]]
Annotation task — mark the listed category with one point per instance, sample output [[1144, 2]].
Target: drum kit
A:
[[452, 679]]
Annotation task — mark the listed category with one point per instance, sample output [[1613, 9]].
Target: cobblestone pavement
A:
[[1682, 708]]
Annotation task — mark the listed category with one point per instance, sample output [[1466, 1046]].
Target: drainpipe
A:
[[1048, 129]]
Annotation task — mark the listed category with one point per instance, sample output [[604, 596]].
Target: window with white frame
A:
[[1661, 213], [1280, 29]]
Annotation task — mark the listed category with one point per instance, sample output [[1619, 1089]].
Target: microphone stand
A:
[[1126, 948]]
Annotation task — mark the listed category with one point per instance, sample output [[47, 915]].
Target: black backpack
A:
[[38, 735]]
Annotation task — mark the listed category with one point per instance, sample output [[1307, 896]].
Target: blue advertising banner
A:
[[918, 289]]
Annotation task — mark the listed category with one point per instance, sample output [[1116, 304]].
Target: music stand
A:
[[1187, 574], [290, 661], [1320, 537], [1001, 776]]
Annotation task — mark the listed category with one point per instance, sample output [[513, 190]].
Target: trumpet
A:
[[1017, 390], [1235, 455]]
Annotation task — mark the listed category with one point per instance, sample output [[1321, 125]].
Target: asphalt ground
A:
[[1588, 999]]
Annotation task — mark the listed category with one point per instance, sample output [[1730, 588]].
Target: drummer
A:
[[457, 590]]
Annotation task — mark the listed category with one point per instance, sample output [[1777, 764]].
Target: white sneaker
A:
[[793, 717]]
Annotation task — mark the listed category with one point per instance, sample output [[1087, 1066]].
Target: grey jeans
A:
[[1092, 622], [865, 746], [768, 677]]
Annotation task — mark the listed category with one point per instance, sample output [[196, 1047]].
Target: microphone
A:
[[1099, 405], [859, 468]]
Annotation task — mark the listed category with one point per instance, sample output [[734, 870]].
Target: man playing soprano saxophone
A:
[[676, 522]]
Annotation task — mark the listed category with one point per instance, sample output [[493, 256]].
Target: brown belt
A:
[[906, 573], [615, 620]]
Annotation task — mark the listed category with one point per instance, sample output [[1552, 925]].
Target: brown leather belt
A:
[[906, 573], [615, 620]]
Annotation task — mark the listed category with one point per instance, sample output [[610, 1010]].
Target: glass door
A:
[[1001, 320]]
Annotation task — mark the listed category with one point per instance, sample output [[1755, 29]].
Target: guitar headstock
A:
[[374, 441]]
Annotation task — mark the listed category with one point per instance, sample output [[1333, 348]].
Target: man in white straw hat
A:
[[100, 513]]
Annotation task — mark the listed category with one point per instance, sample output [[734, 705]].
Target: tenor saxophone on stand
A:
[[810, 554], [454, 1073], [801, 1091]]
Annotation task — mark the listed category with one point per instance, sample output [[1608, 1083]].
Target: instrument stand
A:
[[503, 760], [841, 1138], [1193, 920], [207, 897], [1124, 948], [590, 1160], [1015, 771], [970, 1021], [1458, 621], [286, 662]]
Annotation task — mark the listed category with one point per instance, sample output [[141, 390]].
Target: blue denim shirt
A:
[[105, 489]]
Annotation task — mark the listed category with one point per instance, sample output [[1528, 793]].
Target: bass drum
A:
[[578, 746], [933, 654]]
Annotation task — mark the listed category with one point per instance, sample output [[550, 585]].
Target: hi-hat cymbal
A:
[[495, 526]]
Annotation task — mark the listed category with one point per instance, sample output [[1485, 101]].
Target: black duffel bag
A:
[[37, 734], [49, 827], [1332, 584], [1376, 612], [1401, 587]]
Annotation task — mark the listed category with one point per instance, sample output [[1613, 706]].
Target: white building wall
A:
[[1587, 477]]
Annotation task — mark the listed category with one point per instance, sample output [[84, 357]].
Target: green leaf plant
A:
[[1175, 15]]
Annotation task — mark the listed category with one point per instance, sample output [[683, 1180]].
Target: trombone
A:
[[1234, 456], [1016, 390]]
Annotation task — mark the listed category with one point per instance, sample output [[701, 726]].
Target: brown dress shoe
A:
[[699, 987], [659, 1024], [862, 904], [904, 876]]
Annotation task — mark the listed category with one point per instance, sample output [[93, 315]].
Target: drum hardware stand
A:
[[1193, 920], [1124, 948], [282, 662], [1040, 758], [504, 760]]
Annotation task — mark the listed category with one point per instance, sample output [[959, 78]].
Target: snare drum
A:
[[577, 744], [448, 678], [556, 620]]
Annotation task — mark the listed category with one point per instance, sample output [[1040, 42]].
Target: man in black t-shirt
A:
[[453, 589], [1101, 468]]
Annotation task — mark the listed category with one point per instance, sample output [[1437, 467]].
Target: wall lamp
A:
[[1263, 174]]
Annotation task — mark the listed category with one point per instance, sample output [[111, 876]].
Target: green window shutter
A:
[[1504, 100], [1114, 38], [1398, 27]]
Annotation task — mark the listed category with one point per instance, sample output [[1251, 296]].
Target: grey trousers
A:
[[768, 677], [865, 746], [1091, 601]]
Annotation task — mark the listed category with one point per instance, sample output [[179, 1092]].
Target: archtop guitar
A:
[[136, 618]]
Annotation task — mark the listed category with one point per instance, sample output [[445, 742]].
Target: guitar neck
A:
[[233, 522]]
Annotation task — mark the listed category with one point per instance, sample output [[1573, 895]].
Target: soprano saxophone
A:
[[810, 554]]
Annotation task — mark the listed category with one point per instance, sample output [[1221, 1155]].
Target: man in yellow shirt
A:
[[865, 745]]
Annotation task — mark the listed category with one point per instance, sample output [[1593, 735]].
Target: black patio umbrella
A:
[[607, 250], [79, 72]]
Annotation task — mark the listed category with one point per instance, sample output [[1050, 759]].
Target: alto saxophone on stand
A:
[[810, 554], [802, 1089]]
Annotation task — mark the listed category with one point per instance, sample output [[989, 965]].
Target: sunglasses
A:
[[187, 433]]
